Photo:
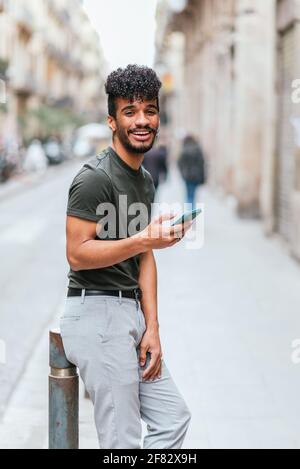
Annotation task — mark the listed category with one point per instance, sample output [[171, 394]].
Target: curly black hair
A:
[[133, 82]]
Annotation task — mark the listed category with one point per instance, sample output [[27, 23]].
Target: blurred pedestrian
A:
[[155, 162], [192, 167], [35, 157]]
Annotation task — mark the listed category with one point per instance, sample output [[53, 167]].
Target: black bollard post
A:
[[63, 398]]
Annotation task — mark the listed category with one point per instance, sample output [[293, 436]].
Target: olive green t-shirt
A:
[[108, 187]]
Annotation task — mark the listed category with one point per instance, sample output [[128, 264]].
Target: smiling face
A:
[[136, 124]]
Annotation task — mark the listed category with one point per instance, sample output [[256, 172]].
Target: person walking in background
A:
[[156, 163], [192, 167]]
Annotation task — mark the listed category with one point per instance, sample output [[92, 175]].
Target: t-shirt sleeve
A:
[[89, 189]]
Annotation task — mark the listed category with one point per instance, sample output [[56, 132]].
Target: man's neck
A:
[[133, 160]]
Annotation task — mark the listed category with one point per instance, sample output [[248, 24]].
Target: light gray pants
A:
[[101, 336]]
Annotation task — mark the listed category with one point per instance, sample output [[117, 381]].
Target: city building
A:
[[232, 87], [51, 61]]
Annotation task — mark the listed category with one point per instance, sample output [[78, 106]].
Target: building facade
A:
[[287, 156], [239, 65], [48, 57]]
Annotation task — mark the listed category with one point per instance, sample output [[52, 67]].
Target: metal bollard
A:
[[63, 398]]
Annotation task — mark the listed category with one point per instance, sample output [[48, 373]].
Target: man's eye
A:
[[128, 113]]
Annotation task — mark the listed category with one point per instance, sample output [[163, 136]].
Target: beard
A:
[[138, 148]]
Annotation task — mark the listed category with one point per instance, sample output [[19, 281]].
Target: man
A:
[[110, 326], [192, 168], [155, 163]]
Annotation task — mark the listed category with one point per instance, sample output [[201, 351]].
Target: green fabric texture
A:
[[107, 179]]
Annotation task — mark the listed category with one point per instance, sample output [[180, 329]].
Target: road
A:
[[33, 268]]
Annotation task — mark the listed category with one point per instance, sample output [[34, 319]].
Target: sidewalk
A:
[[228, 315], [229, 346], [24, 425]]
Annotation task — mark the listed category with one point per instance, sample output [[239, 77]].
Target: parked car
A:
[[91, 139], [7, 167]]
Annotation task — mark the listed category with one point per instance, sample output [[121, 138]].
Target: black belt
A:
[[135, 294]]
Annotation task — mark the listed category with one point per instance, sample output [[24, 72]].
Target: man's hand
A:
[[151, 344], [159, 236]]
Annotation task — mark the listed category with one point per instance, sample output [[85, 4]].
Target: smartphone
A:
[[186, 217]]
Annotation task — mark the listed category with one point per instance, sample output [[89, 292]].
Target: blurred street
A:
[[33, 273], [228, 315]]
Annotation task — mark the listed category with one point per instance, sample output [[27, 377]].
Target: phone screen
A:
[[186, 217]]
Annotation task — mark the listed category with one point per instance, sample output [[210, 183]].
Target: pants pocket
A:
[[84, 329]]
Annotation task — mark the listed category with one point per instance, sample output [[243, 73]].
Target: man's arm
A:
[[148, 285], [151, 341], [84, 252]]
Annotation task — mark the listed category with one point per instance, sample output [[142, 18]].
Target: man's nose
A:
[[142, 119]]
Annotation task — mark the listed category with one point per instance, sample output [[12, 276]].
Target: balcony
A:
[[61, 14], [65, 17], [55, 53], [66, 60], [62, 103], [23, 83], [24, 19]]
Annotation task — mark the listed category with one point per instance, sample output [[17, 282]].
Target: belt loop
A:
[[136, 299], [82, 296], [120, 297]]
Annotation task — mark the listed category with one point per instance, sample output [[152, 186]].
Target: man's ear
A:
[[111, 123]]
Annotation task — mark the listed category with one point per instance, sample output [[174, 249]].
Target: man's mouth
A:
[[141, 135]]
